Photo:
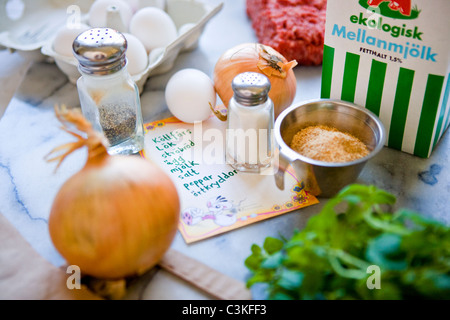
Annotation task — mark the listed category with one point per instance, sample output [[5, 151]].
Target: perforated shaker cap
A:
[[251, 88], [100, 51]]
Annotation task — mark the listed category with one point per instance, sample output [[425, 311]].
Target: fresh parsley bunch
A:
[[337, 254]]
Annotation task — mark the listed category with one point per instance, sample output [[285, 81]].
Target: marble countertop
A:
[[28, 131]]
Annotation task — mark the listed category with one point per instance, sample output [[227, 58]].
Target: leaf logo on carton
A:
[[397, 9]]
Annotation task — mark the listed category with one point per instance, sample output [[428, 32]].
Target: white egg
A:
[[98, 13], [154, 27], [188, 95], [136, 55], [62, 43]]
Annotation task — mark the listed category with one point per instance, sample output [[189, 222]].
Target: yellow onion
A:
[[255, 57], [118, 215]]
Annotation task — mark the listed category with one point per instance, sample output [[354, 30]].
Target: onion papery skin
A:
[[245, 58], [116, 217]]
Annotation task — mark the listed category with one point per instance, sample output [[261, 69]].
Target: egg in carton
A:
[[46, 29]]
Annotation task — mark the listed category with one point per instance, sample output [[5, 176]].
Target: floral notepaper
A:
[[215, 198]]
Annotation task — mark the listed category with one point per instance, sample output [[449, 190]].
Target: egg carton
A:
[[30, 26]]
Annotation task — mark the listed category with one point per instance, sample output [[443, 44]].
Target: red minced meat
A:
[[294, 28]]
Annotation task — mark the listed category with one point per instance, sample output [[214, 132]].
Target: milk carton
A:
[[392, 57]]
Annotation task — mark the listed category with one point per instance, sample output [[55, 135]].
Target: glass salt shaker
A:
[[108, 95], [249, 137]]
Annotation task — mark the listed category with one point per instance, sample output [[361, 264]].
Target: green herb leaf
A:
[[272, 245], [290, 279], [330, 257], [385, 252], [273, 261]]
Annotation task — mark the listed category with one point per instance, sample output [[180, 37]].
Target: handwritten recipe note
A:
[[215, 198]]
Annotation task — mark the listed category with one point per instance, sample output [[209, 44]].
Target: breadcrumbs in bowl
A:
[[328, 144]]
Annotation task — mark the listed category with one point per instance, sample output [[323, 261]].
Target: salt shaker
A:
[[249, 135], [108, 95]]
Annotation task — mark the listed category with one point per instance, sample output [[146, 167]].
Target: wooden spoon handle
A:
[[203, 277]]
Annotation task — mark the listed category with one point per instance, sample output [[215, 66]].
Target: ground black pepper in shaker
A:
[[109, 97]]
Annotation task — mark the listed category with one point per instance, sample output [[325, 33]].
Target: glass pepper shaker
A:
[[108, 95], [249, 136]]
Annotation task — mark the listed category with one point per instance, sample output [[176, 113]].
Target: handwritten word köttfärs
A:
[[175, 135]]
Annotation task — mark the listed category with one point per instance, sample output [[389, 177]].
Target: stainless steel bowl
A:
[[321, 178]]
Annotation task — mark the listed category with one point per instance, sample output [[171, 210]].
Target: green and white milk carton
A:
[[392, 57]]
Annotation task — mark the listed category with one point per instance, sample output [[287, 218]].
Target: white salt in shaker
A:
[[249, 137], [108, 95]]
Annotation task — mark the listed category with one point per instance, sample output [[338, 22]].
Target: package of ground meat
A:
[[295, 28]]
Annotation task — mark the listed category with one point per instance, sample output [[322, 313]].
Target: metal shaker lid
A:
[[251, 88], [100, 51]]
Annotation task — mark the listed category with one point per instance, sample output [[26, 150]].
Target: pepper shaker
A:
[[249, 136], [109, 97]]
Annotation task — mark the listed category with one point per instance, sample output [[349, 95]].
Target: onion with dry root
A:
[[118, 215], [255, 57]]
